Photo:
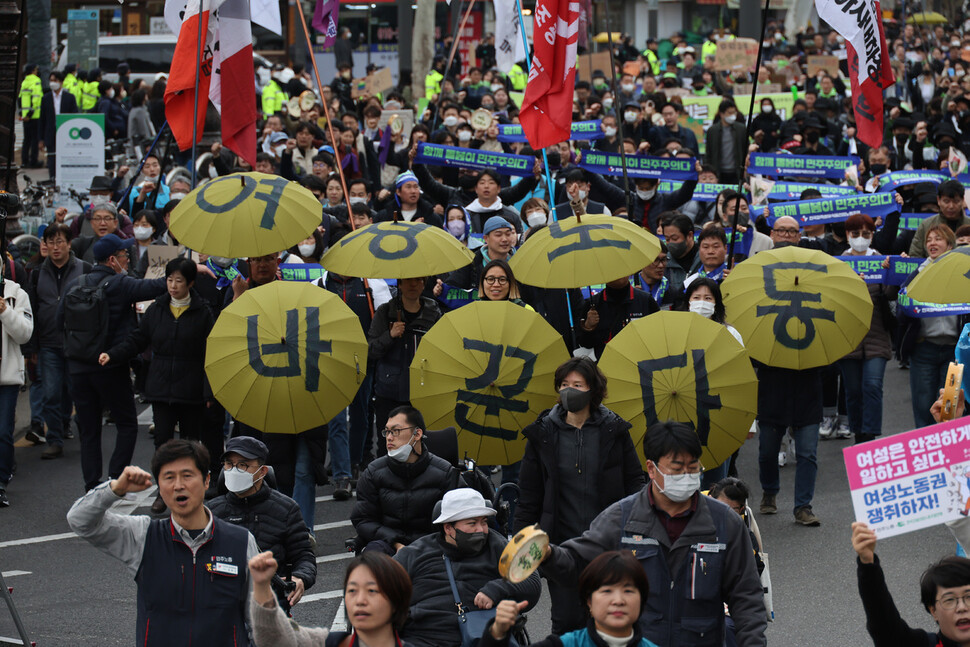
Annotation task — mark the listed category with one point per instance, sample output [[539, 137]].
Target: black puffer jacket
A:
[[177, 370], [277, 525], [433, 620], [395, 500], [618, 471]]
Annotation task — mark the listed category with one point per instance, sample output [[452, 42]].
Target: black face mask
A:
[[878, 169], [574, 400], [812, 137], [470, 543], [467, 182]]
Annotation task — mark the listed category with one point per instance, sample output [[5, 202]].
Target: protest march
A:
[[525, 331]]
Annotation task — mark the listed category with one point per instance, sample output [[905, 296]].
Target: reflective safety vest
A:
[[31, 92], [518, 77], [71, 85], [709, 48], [432, 84], [273, 99], [89, 96], [652, 60]]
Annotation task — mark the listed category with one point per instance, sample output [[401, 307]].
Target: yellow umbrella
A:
[[574, 252], [927, 18], [947, 280], [797, 308], [487, 369], [604, 37], [684, 367], [245, 214], [396, 250], [286, 357]]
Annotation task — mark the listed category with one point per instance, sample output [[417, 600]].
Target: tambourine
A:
[[481, 119], [523, 554], [951, 391], [396, 124], [293, 107], [307, 100]]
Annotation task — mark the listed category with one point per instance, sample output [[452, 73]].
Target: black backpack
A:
[[86, 320]]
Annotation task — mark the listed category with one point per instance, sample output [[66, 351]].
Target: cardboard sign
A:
[[588, 63], [913, 480], [373, 84], [827, 64], [763, 88], [158, 258], [631, 67], [738, 55]]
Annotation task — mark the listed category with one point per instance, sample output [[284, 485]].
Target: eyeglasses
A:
[[56, 242], [103, 219], [953, 602], [394, 433], [228, 465], [492, 280], [785, 232], [121, 255], [661, 260]]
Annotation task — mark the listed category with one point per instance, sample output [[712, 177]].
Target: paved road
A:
[[71, 595]]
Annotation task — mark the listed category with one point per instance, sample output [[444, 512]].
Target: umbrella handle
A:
[[423, 362], [357, 366]]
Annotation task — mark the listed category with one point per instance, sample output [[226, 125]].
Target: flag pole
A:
[[545, 163], [626, 179], [333, 140], [451, 57], [150, 150], [754, 93], [195, 107]]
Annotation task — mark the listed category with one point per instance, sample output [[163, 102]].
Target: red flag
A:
[[547, 109], [860, 23], [180, 97], [232, 84]]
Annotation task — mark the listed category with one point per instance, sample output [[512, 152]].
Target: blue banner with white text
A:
[[457, 157], [781, 165]]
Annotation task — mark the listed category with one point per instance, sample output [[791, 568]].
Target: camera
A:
[[9, 203]]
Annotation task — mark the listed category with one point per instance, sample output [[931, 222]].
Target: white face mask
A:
[[628, 87], [55, 86], [629, 117], [142, 233], [110, 94], [238, 481], [859, 244], [402, 453], [646, 195], [730, 119], [702, 308], [356, 199], [680, 487], [464, 135], [536, 218], [608, 102], [99, 199], [580, 194], [767, 109], [609, 131], [177, 196], [152, 178], [496, 87], [451, 121], [306, 250]]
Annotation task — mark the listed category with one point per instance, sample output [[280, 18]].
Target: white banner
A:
[[509, 46], [80, 150], [858, 22]]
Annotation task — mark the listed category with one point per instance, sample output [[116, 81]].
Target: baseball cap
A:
[[109, 245], [247, 447]]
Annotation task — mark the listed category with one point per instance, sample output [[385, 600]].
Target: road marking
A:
[[339, 620], [334, 558], [328, 595], [331, 525], [14, 573], [37, 540], [325, 497]]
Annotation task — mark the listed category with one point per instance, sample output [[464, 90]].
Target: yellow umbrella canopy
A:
[[487, 370], [245, 214], [684, 367], [927, 18], [945, 281], [797, 308], [590, 250], [396, 250], [286, 357]]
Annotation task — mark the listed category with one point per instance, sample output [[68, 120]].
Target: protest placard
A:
[[738, 55], [158, 258], [827, 64], [912, 480], [588, 63]]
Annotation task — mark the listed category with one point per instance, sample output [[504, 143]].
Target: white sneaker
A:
[[791, 445], [782, 459], [827, 428], [843, 430]]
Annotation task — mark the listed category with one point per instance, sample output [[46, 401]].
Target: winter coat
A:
[[646, 213], [614, 313], [278, 526], [433, 620], [789, 398], [619, 471], [586, 637], [395, 500], [878, 341], [176, 373], [391, 357], [45, 294], [17, 324]]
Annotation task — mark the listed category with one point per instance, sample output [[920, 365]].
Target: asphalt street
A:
[[69, 594]]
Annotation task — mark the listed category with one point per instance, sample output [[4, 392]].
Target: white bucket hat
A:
[[463, 503]]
